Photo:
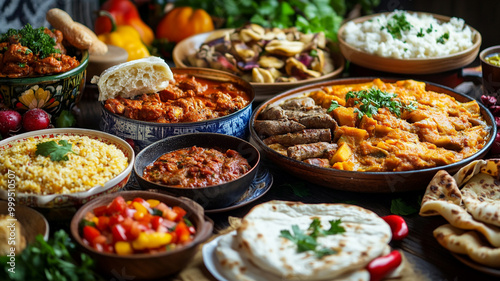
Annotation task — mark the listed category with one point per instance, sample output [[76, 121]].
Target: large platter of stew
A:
[[371, 134]]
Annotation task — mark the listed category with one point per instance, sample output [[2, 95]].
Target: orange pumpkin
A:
[[182, 22]]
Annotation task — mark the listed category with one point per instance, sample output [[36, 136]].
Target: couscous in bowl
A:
[[95, 163]]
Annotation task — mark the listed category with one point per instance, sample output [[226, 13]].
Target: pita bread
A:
[[444, 198], [467, 243], [132, 78], [236, 266], [481, 198], [258, 239]]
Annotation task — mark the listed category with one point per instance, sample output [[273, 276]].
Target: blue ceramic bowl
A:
[[144, 133], [53, 93]]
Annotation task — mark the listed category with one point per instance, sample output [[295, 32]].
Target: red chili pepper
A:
[[398, 226], [381, 266]]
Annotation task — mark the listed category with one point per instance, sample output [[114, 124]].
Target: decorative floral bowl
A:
[[144, 133], [53, 93]]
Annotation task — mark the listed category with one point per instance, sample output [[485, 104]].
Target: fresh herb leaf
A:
[[39, 42], [400, 207], [420, 33], [429, 30], [50, 260], [371, 100], [57, 152], [333, 106], [308, 242], [443, 37], [397, 25]]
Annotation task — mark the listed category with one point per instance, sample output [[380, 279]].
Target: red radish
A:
[[36, 119], [10, 121]]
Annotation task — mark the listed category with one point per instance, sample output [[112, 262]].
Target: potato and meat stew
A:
[[187, 99], [374, 126]]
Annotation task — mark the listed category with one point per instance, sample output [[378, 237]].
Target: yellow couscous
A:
[[93, 163]]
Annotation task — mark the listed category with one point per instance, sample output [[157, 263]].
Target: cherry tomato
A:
[[90, 233], [118, 205], [100, 211], [382, 266], [399, 228], [119, 233]]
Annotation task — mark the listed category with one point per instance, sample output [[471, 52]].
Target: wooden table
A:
[[420, 247]]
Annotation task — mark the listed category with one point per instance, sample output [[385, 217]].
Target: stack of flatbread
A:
[[256, 252], [470, 202]]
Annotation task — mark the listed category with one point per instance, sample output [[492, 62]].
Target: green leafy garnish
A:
[[420, 33], [400, 207], [57, 152], [371, 100], [429, 30], [397, 25], [307, 241], [50, 260], [443, 37], [35, 39], [333, 106]]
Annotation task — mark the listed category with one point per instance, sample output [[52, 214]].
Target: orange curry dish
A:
[[187, 99], [374, 127], [34, 52]]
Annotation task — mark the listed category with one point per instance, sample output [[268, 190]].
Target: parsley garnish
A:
[[333, 106], [420, 33], [397, 25], [371, 100], [57, 152], [307, 242], [443, 37], [36, 40], [429, 30]]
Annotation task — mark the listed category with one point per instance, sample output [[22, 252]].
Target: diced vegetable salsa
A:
[[137, 226]]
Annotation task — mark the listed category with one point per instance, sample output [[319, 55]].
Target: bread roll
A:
[[129, 79]]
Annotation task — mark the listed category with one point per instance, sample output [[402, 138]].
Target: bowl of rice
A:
[[64, 167], [409, 42]]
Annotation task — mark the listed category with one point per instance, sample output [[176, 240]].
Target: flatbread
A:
[[481, 198], [237, 267], [442, 197], [258, 239], [468, 243]]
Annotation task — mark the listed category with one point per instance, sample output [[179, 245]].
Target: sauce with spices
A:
[[197, 167], [188, 99]]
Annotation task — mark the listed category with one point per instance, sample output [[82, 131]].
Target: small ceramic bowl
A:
[[144, 133], [53, 93], [55, 201], [99, 63], [210, 197], [146, 266], [490, 72]]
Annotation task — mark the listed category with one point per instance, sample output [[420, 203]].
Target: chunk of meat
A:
[[301, 137]]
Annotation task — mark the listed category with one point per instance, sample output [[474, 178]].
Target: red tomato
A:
[[135, 230], [180, 212], [156, 221], [182, 232], [100, 211], [119, 233], [119, 205], [90, 233], [142, 201], [102, 223], [115, 219]]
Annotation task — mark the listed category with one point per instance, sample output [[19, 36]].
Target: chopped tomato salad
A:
[[138, 226]]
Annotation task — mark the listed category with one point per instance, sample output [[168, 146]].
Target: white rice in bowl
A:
[[426, 37], [94, 164]]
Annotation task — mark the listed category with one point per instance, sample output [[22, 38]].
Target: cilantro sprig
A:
[[56, 151], [307, 240], [397, 25], [371, 100], [35, 39]]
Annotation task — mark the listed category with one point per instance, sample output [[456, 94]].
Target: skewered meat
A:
[[301, 137], [277, 127], [310, 150]]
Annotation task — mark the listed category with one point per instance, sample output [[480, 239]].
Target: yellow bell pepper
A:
[[126, 37], [123, 248], [151, 240]]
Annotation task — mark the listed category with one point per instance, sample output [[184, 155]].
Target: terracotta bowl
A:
[[53, 93], [32, 222], [375, 182], [411, 65], [490, 72], [263, 91], [210, 197], [146, 266], [56, 201], [144, 133]]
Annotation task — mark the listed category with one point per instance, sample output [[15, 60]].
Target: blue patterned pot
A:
[[53, 93], [144, 133]]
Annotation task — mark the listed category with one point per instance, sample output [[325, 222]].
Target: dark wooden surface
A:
[[429, 259]]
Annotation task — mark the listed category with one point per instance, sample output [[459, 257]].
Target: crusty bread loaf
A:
[[128, 79]]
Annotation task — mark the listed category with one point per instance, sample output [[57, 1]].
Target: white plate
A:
[[210, 259]]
